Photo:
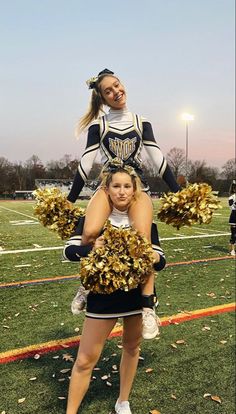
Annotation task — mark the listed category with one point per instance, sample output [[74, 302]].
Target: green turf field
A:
[[182, 373]]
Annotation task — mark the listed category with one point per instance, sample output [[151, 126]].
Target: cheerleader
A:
[[118, 134], [103, 310], [232, 218]]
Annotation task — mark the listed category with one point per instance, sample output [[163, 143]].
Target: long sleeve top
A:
[[120, 134]]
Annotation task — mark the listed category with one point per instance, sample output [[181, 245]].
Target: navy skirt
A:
[[115, 305], [232, 218]]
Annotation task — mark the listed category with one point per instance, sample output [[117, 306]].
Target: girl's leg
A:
[[232, 240], [97, 212], [141, 217], [94, 335], [132, 335]]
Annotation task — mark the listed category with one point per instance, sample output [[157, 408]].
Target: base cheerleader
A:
[[103, 310]]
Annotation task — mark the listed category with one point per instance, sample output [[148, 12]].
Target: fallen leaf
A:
[[21, 400], [173, 397], [206, 328], [36, 356], [223, 342], [148, 370], [173, 346], [64, 371], [180, 341], [216, 398], [206, 395], [68, 357], [154, 412]]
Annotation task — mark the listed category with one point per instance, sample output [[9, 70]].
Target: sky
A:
[[173, 56]]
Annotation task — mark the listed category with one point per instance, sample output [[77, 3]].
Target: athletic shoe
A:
[[151, 324], [79, 301], [233, 253], [122, 407]]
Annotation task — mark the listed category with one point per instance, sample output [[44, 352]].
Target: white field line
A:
[[61, 247], [217, 231], [30, 250], [17, 212], [194, 237]]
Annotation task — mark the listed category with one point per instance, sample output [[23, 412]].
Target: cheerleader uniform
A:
[[121, 134], [232, 217], [119, 303]]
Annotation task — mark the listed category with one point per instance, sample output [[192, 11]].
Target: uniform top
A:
[[122, 134], [232, 201], [73, 249]]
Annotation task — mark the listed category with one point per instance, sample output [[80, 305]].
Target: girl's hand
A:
[[99, 242]]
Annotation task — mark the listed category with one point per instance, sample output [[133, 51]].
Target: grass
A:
[[182, 373]]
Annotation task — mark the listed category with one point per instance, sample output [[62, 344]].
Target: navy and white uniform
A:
[[119, 303], [120, 134], [232, 204]]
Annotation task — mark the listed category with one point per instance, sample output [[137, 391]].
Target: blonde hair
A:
[[95, 106], [107, 179]]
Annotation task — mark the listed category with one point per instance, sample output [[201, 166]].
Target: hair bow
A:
[[92, 81]]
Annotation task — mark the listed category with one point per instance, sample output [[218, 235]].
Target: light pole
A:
[[186, 117]]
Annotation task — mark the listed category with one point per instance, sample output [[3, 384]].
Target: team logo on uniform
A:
[[122, 148]]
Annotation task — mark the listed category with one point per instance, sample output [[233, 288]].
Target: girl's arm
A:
[[158, 158], [86, 162], [73, 249]]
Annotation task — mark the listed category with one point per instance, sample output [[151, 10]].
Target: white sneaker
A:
[[122, 407], [233, 253], [79, 301], [151, 324]]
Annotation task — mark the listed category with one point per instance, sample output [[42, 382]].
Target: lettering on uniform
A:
[[122, 148]]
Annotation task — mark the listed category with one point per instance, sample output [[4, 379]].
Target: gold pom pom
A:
[[55, 212], [124, 262], [194, 204]]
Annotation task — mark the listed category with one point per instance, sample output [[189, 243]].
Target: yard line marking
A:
[[73, 277], [217, 231], [71, 342], [194, 237], [36, 249], [161, 239], [17, 212]]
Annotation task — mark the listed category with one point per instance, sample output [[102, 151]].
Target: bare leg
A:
[[141, 216], [97, 212], [94, 335], [132, 336]]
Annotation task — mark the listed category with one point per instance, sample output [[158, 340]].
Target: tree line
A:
[[22, 175]]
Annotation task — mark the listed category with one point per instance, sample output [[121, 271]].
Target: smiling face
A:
[[113, 92], [121, 190]]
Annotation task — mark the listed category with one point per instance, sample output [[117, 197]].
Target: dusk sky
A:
[[173, 56]]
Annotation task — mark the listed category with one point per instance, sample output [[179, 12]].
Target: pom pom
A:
[[194, 204], [55, 212], [124, 262]]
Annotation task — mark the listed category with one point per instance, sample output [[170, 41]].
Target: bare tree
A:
[[229, 169], [176, 161]]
